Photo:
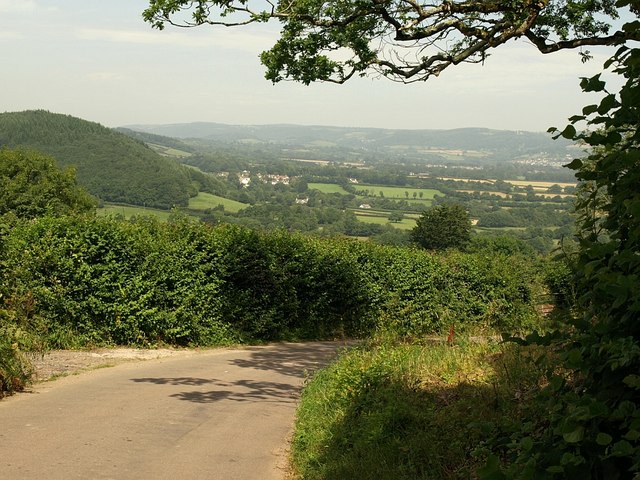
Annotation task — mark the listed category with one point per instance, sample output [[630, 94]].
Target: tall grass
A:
[[15, 370], [411, 411]]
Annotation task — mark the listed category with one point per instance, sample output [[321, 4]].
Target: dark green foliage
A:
[[443, 226], [417, 293], [274, 284], [559, 276], [106, 281], [540, 215], [111, 165], [592, 428], [504, 244], [31, 185], [15, 371]]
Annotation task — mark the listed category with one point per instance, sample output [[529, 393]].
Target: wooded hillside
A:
[[111, 165]]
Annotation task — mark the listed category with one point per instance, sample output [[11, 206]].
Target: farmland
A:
[[128, 211], [204, 201], [379, 217], [328, 188], [423, 194]]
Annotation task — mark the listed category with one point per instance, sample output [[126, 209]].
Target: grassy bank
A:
[[411, 411]]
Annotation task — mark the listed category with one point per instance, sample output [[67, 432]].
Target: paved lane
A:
[[223, 414]]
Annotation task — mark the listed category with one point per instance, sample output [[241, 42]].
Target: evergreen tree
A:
[[443, 226]]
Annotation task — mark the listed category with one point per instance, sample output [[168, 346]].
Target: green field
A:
[[204, 201], [382, 218], [328, 188], [129, 211], [398, 192], [168, 151]]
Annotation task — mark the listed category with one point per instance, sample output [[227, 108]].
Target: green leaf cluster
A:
[[31, 185], [592, 428]]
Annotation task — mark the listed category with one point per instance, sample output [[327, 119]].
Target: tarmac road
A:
[[221, 414]]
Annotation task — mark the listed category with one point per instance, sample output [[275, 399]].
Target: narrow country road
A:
[[222, 414]]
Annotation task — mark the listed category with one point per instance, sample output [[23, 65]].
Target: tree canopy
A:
[[109, 164], [442, 226], [31, 185], [404, 40]]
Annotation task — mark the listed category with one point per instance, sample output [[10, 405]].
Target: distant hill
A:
[[167, 146], [496, 143], [111, 165]]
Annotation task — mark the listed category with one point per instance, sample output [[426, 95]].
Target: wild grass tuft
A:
[[15, 370]]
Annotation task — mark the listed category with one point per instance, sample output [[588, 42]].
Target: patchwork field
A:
[[382, 218], [128, 211], [397, 192], [203, 201], [542, 185], [328, 188], [499, 194]]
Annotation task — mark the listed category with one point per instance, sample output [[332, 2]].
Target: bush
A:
[[73, 281], [101, 281], [415, 292]]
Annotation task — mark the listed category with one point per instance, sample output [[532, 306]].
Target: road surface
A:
[[222, 414]]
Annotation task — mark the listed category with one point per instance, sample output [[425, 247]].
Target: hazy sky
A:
[[97, 59]]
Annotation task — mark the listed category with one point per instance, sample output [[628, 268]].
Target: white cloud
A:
[[195, 38], [22, 6], [106, 77], [9, 35]]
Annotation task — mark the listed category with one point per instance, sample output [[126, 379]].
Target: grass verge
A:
[[15, 370], [411, 411]]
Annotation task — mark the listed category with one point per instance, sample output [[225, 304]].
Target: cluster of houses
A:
[[245, 178]]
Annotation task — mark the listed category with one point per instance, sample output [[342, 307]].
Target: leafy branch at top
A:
[[403, 40]]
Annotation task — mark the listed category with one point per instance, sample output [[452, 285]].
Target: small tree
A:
[[32, 185], [396, 217], [443, 226]]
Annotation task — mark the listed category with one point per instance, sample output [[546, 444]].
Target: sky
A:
[[98, 60]]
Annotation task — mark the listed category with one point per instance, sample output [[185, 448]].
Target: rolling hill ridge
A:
[[110, 165]]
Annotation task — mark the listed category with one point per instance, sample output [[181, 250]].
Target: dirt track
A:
[[223, 414]]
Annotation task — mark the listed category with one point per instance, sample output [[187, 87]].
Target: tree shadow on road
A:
[[174, 381], [237, 391], [245, 391], [292, 359], [288, 359]]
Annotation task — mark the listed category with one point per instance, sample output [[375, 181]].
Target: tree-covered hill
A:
[[111, 165], [492, 144]]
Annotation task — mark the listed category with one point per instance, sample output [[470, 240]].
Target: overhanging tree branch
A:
[[404, 40], [615, 39]]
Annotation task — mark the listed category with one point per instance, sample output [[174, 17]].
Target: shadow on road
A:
[[290, 359], [245, 391], [239, 391], [173, 381]]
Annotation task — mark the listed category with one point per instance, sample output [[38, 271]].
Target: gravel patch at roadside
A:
[[58, 363]]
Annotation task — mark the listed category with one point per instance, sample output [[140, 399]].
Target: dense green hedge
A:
[[415, 292], [76, 281]]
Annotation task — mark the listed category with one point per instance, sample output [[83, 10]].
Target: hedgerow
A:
[[81, 281]]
